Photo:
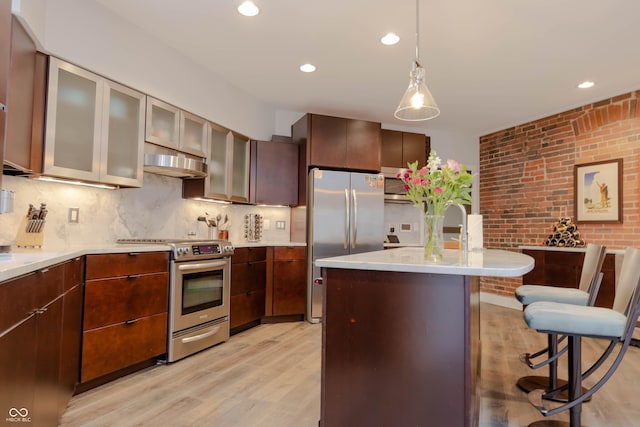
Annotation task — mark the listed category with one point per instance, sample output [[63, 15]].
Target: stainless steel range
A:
[[199, 294]]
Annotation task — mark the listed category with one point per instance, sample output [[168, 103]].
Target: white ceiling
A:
[[490, 64]]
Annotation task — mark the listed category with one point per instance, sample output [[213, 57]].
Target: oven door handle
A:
[[202, 265], [199, 337]]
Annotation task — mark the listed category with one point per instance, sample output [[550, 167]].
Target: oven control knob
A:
[[180, 251]]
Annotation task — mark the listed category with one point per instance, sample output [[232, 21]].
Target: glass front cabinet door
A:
[[217, 181], [228, 165], [94, 128], [163, 123], [240, 169], [122, 155], [193, 134]]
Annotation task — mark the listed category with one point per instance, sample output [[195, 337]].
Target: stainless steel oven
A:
[[200, 283]]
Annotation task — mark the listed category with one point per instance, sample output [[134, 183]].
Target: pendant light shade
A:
[[417, 103]]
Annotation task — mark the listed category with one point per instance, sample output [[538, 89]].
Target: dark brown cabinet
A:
[[125, 311], [5, 52], [274, 173], [40, 341], [563, 269], [400, 148], [288, 288], [22, 78], [335, 143], [248, 286]]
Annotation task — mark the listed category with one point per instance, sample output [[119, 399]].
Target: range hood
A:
[[176, 166]]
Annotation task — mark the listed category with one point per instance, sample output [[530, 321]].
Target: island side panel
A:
[[399, 349]]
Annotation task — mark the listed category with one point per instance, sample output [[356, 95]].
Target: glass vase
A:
[[433, 237]]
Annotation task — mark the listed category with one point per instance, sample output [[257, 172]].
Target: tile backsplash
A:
[[157, 210]]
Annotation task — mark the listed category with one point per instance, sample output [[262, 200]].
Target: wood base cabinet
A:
[[125, 311], [248, 283], [400, 349], [289, 284], [40, 343], [562, 268]]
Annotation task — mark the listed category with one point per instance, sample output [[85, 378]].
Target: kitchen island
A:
[[401, 336]]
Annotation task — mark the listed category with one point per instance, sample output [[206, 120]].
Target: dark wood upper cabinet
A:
[[22, 78], [328, 141], [5, 52], [274, 173], [339, 143], [335, 143], [363, 145], [400, 148]]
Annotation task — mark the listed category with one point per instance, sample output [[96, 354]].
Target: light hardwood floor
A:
[[270, 376]]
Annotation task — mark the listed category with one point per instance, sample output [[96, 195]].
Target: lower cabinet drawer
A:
[[246, 308], [106, 350], [116, 300]]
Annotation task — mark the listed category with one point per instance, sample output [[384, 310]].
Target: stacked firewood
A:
[[565, 234]]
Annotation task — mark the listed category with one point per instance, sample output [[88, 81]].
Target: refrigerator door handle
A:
[[347, 214], [355, 218]]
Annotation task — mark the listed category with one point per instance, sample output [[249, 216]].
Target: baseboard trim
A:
[[509, 302]]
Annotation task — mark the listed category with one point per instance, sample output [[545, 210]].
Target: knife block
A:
[[30, 233]]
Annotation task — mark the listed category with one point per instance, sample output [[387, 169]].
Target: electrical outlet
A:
[[74, 215], [281, 225]]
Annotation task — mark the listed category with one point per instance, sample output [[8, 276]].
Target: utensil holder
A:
[[30, 233]]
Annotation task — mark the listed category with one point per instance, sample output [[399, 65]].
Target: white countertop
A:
[[488, 262], [25, 260]]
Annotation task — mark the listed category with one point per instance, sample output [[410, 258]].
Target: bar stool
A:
[[615, 324], [584, 295]]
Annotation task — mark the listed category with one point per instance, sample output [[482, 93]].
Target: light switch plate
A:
[[74, 215], [281, 225]]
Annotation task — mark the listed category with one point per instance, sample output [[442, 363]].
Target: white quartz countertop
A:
[[488, 262], [25, 260], [22, 261]]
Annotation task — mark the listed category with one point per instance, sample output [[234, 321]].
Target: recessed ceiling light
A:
[[247, 8], [307, 68], [586, 85], [390, 39]]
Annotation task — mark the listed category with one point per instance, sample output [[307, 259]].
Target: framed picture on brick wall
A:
[[598, 191]]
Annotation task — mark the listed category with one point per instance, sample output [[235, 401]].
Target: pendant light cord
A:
[[417, 31]]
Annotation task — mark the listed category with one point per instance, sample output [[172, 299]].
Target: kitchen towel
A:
[[474, 225]]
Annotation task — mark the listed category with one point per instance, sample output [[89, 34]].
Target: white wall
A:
[[89, 35]]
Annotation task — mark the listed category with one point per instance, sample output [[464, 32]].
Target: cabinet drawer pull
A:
[[134, 253], [133, 276], [130, 322], [44, 270]]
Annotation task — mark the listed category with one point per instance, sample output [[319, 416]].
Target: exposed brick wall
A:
[[526, 176]]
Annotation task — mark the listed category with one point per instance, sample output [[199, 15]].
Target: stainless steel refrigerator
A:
[[345, 216]]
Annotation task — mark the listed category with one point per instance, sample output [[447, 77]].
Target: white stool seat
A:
[[533, 293], [569, 319]]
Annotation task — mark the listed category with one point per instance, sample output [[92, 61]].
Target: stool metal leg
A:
[[575, 388], [551, 382]]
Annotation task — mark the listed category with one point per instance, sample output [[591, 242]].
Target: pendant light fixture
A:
[[417, 103]]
